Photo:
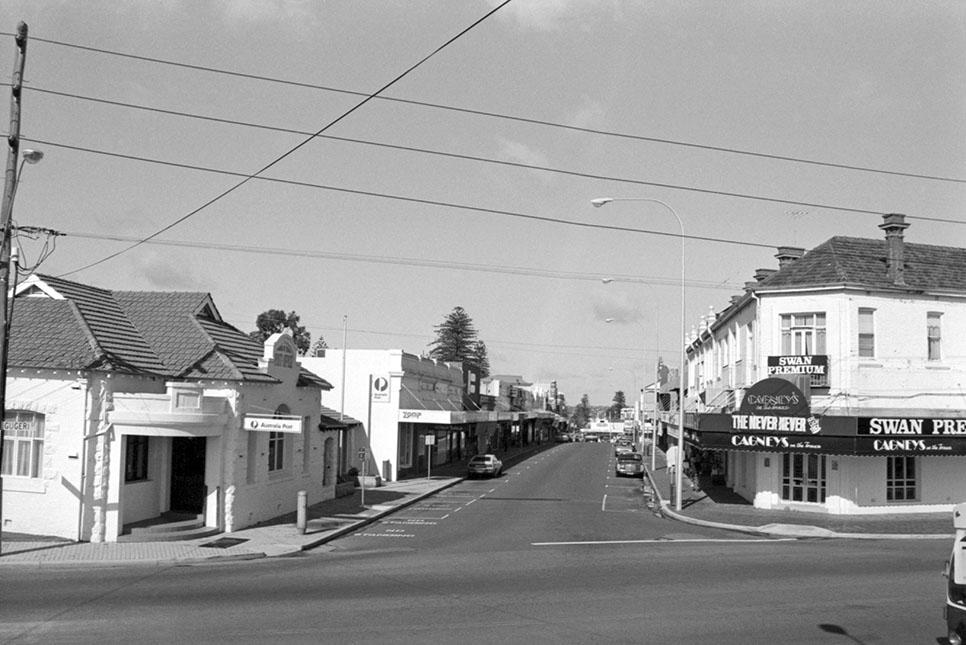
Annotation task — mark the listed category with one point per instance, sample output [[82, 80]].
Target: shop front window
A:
[[803, 478], [901, 479], [23, 444]]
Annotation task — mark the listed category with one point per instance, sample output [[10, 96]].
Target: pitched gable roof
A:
[[116, 339], [851, 261], [47, 333], [171, 334]]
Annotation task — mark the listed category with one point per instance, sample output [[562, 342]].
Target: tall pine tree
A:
[[456, 340]]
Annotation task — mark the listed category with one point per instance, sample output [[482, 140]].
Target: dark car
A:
[[630, 464]]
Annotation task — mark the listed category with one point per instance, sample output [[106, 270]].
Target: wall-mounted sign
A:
[[882, 427], [800, 364], [774, 397], [255, 423], [380, 389]]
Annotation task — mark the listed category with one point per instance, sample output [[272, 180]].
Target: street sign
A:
[[430, 440], [380, 389], [362, 454]]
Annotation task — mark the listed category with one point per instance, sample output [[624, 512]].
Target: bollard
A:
[[300, 512]]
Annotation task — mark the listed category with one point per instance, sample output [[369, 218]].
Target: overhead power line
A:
[[497, 115], [305, 141], [417, 262], [417, 200], [451, 155]]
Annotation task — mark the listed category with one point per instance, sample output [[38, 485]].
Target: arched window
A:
[[284, 356], [23, 444], [276, 443]]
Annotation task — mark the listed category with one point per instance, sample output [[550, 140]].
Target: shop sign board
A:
[[380, 389], [774, 396], [812, 365], [256, 423]]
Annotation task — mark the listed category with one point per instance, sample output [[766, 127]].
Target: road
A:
[[556, 550]]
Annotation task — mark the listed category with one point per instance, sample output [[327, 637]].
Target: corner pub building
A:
[[836, 383]]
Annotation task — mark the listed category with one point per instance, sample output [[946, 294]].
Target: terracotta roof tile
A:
[[862, 262]]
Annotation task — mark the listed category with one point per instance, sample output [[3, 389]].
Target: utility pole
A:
[[6, 221]]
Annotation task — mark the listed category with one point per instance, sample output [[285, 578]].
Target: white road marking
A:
[[603, 504], [660, 541]]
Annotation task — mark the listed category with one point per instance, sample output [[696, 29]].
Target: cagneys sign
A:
[[775, 405]]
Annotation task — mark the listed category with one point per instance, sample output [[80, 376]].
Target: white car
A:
[[484, 465]]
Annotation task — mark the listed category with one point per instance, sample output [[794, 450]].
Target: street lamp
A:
[[679, 457]]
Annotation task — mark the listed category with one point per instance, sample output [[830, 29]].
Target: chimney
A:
[[762, 274], [894, 224], [788, 254]]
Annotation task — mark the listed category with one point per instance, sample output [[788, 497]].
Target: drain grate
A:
[[224, 542]]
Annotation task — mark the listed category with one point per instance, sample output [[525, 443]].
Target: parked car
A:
[[484, 465], [630, 464], [622, 448]]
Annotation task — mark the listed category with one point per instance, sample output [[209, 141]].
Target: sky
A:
[[455, 167]]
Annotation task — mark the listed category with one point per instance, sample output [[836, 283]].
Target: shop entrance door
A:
[[803, 478], [188, 474]]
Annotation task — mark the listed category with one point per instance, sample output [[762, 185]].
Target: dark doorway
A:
[[188, 474]]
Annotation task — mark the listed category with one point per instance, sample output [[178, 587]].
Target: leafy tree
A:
[[456, 340], [482, 359], [582, 412], [619, 402], [274, 321]]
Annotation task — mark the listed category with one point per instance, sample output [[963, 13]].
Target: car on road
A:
[[484, 465], [622, 448], [630, 464]]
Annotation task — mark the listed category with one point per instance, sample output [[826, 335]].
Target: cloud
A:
[[521, 153], [291, 12], [617, 312], [589, 115], [547, 15], [163, 274]]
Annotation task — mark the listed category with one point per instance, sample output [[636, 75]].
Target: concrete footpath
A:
[[327, 521], [706, 504], [278, 537], [703, 504]]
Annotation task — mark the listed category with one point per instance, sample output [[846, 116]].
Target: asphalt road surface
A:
[[557, 550]]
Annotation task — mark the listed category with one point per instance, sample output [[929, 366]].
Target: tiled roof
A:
[[862, 262], [49, 333], [171, 334], [330, 418], [121, 343], [165, 320]]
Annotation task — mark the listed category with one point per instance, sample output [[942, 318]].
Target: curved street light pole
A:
[[679, 457]]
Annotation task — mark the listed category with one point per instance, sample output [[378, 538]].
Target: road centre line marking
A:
[[603, 504], [660, 541]]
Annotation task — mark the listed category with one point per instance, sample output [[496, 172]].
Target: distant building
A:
[[835, 383], [419, 412]]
